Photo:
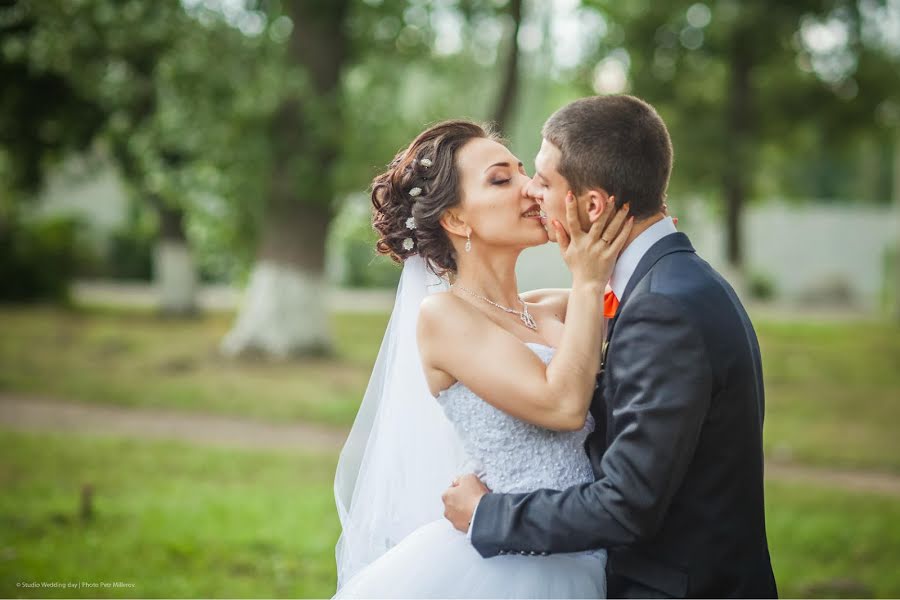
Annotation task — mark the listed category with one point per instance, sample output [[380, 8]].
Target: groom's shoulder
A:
[[682, 274], [689, 282], [682, 280]]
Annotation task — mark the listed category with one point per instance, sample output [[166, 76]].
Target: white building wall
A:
[[809, 252]]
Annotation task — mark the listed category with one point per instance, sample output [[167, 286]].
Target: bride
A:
[[471, 376]]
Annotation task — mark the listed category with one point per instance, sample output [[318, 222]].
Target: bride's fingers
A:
[[562, 238], [607, 212], [615, 225], [618, 243], [574, 225]]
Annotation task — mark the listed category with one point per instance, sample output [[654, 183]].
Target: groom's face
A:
[[549, 188]]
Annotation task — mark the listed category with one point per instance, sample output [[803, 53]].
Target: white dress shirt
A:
[[624, 269], [635, 251]]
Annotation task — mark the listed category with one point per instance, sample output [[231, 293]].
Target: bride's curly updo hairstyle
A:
[[421, 183]]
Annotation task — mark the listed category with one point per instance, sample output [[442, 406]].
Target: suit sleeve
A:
[[661, 384]]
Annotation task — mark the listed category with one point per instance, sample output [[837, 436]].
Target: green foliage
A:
[[761, 286], [38, 259], [182, 100], [806, 107], [130, 254], [352, 249]]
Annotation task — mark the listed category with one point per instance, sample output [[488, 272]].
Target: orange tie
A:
[[610, 305]]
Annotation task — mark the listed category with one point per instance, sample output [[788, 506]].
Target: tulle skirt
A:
[[437, 561]]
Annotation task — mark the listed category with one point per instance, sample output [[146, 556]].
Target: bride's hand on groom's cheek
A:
[[591, 255], [460, 500]]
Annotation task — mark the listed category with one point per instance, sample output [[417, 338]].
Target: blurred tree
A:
[[730, 77], [367, 80], [509, 88], [81, 72], [241, 124], [283, 311]]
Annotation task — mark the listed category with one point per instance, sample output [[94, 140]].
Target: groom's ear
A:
[[596, 200]]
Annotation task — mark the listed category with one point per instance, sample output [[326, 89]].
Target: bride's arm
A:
[[457, 339]]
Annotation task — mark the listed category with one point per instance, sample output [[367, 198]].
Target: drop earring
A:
[[469, 242]]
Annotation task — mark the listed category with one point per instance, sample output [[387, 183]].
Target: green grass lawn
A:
[[833, 393], [830, 544], [133, 358], [833, 390], [177, 521], [184, 521]]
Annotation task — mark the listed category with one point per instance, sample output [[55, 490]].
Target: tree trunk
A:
[[895, 192], [509, 87], [737, 164], [284, 310], [175, 274]]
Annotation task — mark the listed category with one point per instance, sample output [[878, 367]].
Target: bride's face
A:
[[494, 204]]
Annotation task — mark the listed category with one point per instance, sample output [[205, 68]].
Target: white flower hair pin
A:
[[408, 244], [426, 162], [411, 223], [415, 191]]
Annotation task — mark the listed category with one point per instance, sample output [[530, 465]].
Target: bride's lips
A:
[[534, 212]]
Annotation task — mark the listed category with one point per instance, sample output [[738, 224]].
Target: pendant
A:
[[528, 320]]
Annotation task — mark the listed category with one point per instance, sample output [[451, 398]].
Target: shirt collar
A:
[[635, 251]]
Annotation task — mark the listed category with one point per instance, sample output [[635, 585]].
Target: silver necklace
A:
[[525, 317]]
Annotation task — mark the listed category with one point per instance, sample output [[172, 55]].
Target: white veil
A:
[[402, 452]]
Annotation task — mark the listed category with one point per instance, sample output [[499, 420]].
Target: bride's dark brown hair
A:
[[422, 182]]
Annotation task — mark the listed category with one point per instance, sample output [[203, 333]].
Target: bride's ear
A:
[[452, 223], [596, 200]]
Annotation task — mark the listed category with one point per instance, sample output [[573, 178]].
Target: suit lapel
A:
[[676, 242]]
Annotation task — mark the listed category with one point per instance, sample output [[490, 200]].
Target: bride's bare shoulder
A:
[[440, 310], [445, 321]]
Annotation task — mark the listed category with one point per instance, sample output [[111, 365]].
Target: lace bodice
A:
[[516, 456]]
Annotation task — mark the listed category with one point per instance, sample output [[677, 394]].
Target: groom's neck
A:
[[641, 226]]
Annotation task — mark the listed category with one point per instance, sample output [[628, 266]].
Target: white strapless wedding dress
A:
[[437, 561]]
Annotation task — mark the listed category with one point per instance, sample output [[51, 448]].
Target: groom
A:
[[677, 451]]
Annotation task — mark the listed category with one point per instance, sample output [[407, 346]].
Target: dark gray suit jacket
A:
[[677, 451]]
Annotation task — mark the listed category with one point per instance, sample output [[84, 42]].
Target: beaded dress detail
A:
[[516, 456]]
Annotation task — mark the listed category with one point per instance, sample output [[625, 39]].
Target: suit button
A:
[[533, 553], [545, 554]]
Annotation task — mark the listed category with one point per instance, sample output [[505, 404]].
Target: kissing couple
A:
[[599, 441]]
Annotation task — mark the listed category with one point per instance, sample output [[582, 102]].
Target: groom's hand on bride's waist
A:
[[461, 498]]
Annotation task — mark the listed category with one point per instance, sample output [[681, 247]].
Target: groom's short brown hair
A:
[[618, 143]]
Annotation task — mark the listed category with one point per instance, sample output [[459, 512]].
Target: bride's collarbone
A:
[[549, 327]]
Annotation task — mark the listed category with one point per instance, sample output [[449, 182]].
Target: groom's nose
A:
[[531, 191]]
